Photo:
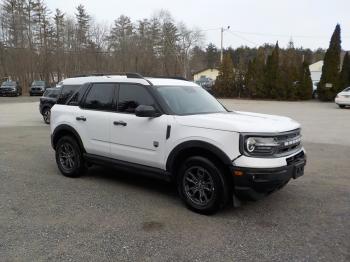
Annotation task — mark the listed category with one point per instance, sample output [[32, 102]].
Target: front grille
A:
[[289, 142], [4, 89]]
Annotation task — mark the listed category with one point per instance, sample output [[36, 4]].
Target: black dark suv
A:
[[10, 88], [47, 101], [38, 87]]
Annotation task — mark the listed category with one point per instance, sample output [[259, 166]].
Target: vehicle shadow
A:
[[132, 179]]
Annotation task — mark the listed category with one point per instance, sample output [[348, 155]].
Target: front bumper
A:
[[8, 93], [255, 183], [37, 92]]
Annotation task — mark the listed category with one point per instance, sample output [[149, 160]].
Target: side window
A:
[[100, 97], [67, 92], [131, 96]]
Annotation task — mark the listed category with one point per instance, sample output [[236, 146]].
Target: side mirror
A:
[[146, 111]]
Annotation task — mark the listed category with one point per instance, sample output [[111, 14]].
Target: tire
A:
[[202, 186], [69, 157], [46, 115], [341, 106]]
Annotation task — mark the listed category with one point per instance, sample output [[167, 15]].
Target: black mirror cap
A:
[[146, 111]]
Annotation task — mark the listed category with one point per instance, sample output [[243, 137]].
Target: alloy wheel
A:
[[67, 157], [198, 185]]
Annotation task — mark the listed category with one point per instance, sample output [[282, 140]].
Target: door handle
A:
[[81, 118], [119, 123]]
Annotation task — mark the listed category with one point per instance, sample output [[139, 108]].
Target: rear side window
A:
[[67, 92], [100, 97], [131, 96]]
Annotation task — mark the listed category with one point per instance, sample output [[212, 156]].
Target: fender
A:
[[196, 144], [65, 129]]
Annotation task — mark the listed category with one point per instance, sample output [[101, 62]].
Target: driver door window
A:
[[131, 96]]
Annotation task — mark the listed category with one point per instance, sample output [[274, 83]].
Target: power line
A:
[[282, 35], [243, 38]]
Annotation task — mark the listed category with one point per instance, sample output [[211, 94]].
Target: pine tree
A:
[[224, 85], [304, 86], [272, 82], [344, 76], [83, 25], [330, 70], [254, 79], [212, 55]]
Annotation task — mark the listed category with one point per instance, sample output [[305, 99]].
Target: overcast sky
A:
[[253, 22]]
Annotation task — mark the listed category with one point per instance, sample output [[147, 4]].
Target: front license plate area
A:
[[298, 170]]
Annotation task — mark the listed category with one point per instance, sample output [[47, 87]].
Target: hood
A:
[[344, 93], [240, 122]]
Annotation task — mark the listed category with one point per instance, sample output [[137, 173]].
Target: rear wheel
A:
[[69, 157], [201, 185], [47, 115]]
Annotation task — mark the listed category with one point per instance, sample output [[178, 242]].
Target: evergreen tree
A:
[[83, 21], [224, 84], [304, 86], [212, 55], [254, 79], [344, 77], [272, 83], [330, 70]]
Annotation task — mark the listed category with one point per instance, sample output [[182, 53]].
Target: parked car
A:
[[10, 88], [60, 93], [176, 131], [47, 101], [206, 82], [343, 98], [38, 87]]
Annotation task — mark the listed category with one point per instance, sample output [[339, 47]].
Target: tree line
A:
[[36, 43], [283, 74]]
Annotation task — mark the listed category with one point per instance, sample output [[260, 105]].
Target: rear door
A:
[[94, 116]]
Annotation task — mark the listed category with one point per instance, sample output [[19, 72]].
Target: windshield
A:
[[8, 83], [38, 83], [189, 100]]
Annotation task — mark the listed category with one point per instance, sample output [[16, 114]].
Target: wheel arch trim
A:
[[196, 144], [64, 128]]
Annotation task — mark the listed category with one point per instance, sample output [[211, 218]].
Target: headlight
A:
[[256, 145], [261, 145]]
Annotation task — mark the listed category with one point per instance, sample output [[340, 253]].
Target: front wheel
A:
[[69, 157], [341, 106], [47, 115], [201, 185]]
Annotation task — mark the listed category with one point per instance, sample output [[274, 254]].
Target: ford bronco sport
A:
[[175, 130]]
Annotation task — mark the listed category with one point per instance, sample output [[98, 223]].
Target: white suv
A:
[[175, 130]]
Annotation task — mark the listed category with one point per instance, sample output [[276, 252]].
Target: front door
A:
[[135, 139]]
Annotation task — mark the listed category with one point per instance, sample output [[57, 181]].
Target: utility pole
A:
[[222, 43]]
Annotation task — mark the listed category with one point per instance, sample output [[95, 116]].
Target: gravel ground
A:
[[107, 215]]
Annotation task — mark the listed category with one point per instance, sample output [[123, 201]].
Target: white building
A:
[[316, 72]]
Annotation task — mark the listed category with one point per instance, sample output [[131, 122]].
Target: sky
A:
[[309, 23]]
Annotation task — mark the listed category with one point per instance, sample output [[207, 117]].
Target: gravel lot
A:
[[110, 216]]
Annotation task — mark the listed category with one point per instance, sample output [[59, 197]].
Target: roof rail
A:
[[172, 77], [137, 75]]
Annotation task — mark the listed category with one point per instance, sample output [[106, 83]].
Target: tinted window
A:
[[53, 93], [67, 92], [100, 97], [131, 96]]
